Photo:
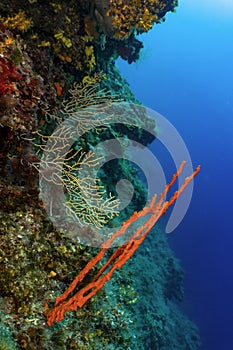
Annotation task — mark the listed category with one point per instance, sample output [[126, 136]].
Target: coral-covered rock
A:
[[120, 18]]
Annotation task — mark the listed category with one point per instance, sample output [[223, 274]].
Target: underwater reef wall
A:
[[53, 54]]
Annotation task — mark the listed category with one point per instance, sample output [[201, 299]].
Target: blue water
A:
[[186, 74]]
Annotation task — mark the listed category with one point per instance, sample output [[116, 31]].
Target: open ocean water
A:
[[186, 74]]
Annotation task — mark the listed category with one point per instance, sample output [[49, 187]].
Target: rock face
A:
[[47, 48], [158, 282]]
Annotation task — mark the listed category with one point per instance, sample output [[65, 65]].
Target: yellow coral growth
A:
[[19, 21], [90, 57], [146, 21], [6, 43], [135, 14], [60, 36]]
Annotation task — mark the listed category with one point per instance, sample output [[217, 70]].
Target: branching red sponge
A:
[[151, 214]]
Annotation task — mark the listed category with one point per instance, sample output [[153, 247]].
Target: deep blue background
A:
[[186, 74]]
